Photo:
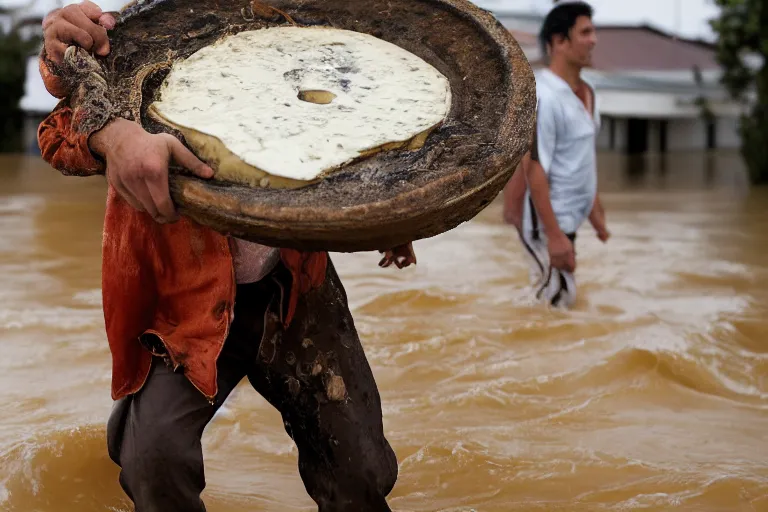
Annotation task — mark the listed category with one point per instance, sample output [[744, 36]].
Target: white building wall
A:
[[603, 142], [621, 134], [682, 134], [654, 136], [36, 98], [657, 104], [604, 137], [728, 136], [686, 134]]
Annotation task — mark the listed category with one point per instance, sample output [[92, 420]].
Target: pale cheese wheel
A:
[[285, 106]]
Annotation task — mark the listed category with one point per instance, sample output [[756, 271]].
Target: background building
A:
[[649, 81], [650, 84]]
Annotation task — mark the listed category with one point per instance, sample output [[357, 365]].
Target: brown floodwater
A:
[[651, 394]]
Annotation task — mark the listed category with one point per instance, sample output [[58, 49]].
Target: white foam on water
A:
[[89, 297], [58, 318]]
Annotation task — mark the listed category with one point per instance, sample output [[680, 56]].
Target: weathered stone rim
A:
[[457, 194]]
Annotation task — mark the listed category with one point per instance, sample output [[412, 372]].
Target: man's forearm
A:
[[597, 215], [539, 186], [514, 196], [100, 141], [65, 135]]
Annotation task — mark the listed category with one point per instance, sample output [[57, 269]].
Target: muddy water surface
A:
[[652, 394]]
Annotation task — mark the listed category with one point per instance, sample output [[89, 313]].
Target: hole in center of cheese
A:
[[295, 104], [318, 97]]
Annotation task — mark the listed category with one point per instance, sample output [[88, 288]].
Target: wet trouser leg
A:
[[557, 287], [315, 373], [155, 435]]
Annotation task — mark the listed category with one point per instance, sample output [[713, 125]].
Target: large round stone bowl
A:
[[377, 202]]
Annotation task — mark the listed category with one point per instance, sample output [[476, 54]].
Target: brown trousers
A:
[[315, 373]]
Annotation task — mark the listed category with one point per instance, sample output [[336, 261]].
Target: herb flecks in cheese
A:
[[297, 102]]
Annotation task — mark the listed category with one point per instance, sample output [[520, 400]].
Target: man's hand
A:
[[561, 253], [402, 256], [597, 219], [137, 165], [598, 222], [602, 233], [83, 24]]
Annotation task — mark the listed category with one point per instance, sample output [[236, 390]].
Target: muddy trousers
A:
[[315, 374]]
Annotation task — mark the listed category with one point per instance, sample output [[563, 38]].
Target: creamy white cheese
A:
[[245, 90]]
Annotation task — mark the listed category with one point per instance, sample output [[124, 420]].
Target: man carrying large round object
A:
[[241, 142]]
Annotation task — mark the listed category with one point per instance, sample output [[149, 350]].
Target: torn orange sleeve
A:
[[53, 84], [64, 148]]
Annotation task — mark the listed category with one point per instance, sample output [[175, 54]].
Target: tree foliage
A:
[[15, 49], [742, 50]]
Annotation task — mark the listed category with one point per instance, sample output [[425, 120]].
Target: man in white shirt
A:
[[561, 169]]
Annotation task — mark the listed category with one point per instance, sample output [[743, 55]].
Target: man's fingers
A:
[[158, 189], [406, 261], [90, 24], [107, 21], [97, 33], [139, 189], [399, 259], [91, 10], [55, 50], [571, 262], [51, 17], [127, 196], [562, 261], [68, 33], [566, 262], [143, 195], [187, 159]]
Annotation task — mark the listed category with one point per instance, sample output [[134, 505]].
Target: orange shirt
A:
[[173, 280]]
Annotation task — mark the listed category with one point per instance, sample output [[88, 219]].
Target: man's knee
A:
[[116, 427], [360, 479], [375, 469], [385, 470], [160, 458]]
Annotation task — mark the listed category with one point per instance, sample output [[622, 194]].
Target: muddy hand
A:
[[137, 166], [402, 256], [84, 25]]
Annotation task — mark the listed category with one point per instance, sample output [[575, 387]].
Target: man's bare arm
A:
[[561, 252], [135, 161], [514, 196], [597, 219], [539, 186], [63, 134], [597, 212]]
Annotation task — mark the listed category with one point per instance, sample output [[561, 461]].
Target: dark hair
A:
[[560, 20]]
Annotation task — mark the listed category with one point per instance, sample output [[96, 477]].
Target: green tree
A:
[[15, 49], [742, 30]]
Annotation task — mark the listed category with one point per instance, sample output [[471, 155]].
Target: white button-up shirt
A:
[[566, 134]]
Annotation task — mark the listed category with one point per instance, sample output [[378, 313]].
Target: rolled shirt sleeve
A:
[[84, 108]]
